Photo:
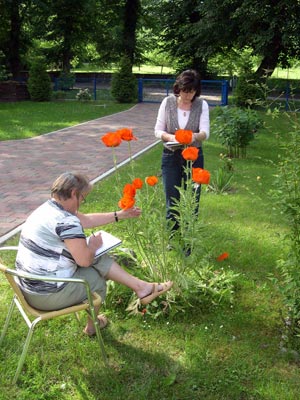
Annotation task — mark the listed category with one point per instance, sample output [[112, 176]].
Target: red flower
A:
[[184, 136], [222, 256], [190, 153], [129, 190], [126, 202], [137, 183], [126, 134], [151, 180], [200, 176], [111, 139]]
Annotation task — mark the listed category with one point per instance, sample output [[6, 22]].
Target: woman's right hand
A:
[[95, 241]]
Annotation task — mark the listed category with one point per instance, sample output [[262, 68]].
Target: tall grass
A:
[[228, 351]]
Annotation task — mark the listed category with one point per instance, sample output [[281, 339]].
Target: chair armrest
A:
[[24, 275]]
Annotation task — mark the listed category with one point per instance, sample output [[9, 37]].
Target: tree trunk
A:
[[14, 40], [131, 14], [270, 60]]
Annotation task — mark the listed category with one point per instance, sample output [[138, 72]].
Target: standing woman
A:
[[183, 110]]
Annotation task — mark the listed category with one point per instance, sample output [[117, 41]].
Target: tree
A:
[[13, 33], [68, 29], [200, 29]]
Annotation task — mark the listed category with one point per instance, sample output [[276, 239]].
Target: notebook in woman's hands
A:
[[109, 242]]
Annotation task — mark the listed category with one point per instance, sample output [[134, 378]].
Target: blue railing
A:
[[154, 90]]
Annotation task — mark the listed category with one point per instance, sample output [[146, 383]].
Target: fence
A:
[[149, 90], [215, 92]]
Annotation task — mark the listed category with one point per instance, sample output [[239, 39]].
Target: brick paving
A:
[[28, 167]]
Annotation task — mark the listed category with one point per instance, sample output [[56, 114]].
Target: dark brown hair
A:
[[65, 183], [187, 81]]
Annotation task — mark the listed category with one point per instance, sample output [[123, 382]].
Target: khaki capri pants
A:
[[74, 293]]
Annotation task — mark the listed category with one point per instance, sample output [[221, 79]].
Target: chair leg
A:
[[25, 349], [101, 343], [93, 316], [7, 321]]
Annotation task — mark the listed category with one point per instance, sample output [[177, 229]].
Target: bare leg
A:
[[118, 274]]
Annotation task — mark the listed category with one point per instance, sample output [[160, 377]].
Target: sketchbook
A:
[[173, 145], [109, 242]]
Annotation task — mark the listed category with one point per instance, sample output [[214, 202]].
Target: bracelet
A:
[[116, 216]]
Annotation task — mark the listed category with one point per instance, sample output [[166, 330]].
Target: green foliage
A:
[[4, 75], [39, 82], [124, 83], [59, 95], [249, 92], [160, 254], [220, 182], [288, 198], [65, 81], [228, 352], [235, 127], [84, 95]]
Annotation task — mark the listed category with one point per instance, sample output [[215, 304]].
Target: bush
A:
[[288, 199], [4, 75], [39, 82], [84, 95], [236, 128], [249, 92], [59, 95], [124, 83], [65, 81]]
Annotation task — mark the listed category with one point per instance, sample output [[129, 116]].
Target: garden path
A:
[[28, 167]]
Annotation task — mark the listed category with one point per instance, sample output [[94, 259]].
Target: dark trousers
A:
[[174, 176]]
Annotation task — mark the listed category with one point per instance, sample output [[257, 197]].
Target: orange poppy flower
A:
[[222, 256], [184, 136], [129, 190], [190, 153], [126, 134], [111, 139], [126, 202], [200, 176], [137, 183], [151, 180]]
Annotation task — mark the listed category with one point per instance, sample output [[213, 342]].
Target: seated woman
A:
[[53, 243]]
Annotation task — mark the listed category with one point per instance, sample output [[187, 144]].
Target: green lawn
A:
[[224, 351], [28, 119]]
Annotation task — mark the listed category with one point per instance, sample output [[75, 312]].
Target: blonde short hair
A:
[[68, 181]]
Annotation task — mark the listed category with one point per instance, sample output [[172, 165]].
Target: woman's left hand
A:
[[132, 212]]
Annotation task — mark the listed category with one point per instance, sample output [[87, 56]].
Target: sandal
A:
[[102, 321], [156, 292]]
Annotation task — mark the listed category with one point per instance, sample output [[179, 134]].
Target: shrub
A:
[[39, 82], [124, 83], [66, 81], [288, 199], [84, 95], [59, 95], [249, 92], [4, 75], [236, 128]]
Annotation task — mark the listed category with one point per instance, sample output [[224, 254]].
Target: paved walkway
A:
[[28, 167]]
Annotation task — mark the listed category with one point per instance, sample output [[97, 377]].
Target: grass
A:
[[230, 351], [22, 120]]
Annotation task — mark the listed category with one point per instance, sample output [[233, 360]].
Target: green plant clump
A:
[[288, 196], [39, 82], [124, 83], [235, 127], [84, 95]]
